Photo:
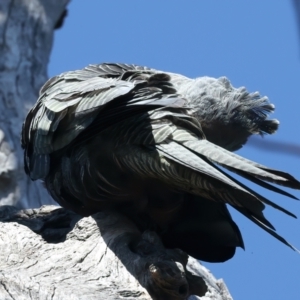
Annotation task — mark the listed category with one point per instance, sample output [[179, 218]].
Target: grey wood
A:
[[53, 253], [26, 36]]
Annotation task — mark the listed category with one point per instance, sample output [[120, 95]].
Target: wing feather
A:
[[137, 117]]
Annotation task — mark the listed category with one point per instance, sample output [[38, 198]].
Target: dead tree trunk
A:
[[26, 35], [51, 253]]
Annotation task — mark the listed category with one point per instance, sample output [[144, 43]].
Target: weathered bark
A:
[[26, 34], [52, 253]]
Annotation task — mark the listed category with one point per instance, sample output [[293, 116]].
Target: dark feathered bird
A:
[[147, 143]]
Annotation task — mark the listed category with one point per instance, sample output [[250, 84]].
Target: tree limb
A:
[[26, 36], [51, 253]]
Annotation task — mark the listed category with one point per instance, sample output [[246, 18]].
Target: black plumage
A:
[[146, 143]]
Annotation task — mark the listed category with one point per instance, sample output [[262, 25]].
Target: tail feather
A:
[[293, 182], [247, 205], [241, 165], [237, 195], [179, 167], [267, 185], [258, 196], [266, 228]]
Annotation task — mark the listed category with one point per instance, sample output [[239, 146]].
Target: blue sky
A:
[[255, 44]]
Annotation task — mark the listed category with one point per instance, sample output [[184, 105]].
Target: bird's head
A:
[[230, 115]]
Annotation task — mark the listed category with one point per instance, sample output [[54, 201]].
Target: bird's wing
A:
[[240, 165], [154, 136], [176, 154], [70, 103]]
